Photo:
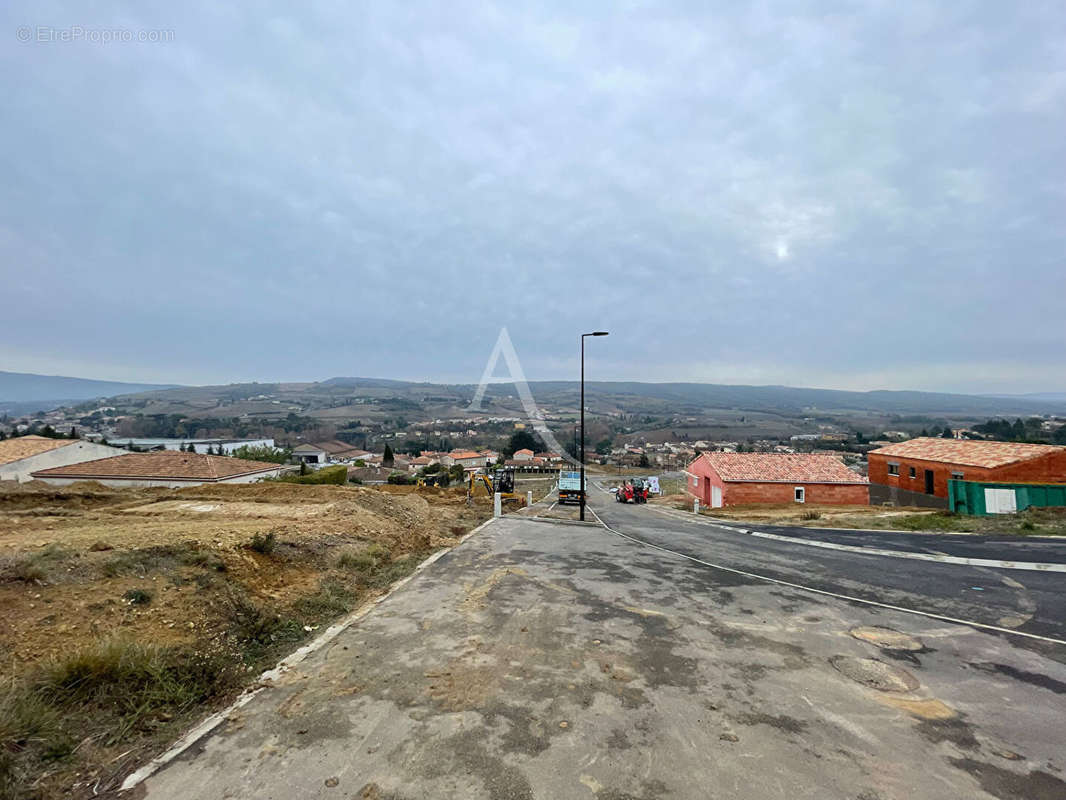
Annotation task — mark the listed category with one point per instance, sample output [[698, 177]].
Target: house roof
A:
[[781, 468], [161, 464], [967, 452], [524, 451], [308, 448], [22, 447], [464, 454], [335, 447]]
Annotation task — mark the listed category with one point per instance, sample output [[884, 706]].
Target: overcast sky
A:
[[811, 193]]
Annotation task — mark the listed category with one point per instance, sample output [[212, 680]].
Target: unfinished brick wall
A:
[[737, 493], [1048, 468]]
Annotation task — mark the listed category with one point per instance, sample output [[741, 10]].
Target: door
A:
[[929, 482], [1000, 501], [716, 497]]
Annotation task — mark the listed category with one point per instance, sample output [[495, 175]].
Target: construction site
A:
[[129, 613]]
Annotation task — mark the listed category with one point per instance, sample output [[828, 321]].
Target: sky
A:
[[844, 195]]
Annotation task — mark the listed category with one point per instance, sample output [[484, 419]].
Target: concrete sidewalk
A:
[[558, 661]]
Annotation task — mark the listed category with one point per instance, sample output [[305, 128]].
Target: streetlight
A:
[[581, 453]]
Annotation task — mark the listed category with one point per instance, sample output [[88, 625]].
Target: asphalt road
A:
[[1044, 549], [552, 660], [1028, 601]]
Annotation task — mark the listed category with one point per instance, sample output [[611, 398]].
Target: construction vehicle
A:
[[640, 490], [570, 488], [624, 493], [488, 484]]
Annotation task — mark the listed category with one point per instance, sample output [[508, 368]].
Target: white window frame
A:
[[800, 494]]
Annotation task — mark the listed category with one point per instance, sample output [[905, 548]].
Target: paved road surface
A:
[[1034, 602], [546, 660]]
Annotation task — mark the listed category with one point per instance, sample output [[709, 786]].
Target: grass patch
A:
[[141, 562], [108, 692], [33, 567], [332, 599], [366, 560]]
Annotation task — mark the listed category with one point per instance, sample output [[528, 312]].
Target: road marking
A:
[[823, 592], [287, 663], [1032, 566]]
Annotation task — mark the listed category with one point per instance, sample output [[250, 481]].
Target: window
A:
[[695, 480], [801, 494], [956, 476], [914, 472], [893, 469]]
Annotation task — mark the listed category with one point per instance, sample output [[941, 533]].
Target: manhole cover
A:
[[875, 674], [886, 638]]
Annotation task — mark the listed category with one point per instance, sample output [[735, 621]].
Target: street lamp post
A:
[[581, 453]]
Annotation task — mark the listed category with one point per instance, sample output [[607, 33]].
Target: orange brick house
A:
[[730, 479], [916, 472]]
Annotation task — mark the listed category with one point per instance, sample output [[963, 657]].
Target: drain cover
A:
[[875, 674], [886, 638]]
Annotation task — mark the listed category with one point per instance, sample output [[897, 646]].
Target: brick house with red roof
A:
[[730, 479], [916, 472]]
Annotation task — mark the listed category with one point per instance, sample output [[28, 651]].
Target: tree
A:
[[388, 458], [644, 460], [1018, 429], [73, 432], [603, 448], [303, 468], [1059, 437], [273, 455], [947, 434], [521, 440]]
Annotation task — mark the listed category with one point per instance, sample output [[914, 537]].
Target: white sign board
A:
[[1000, 501], [653, 484]]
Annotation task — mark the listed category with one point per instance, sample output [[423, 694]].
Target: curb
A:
[[190, 738], [1031, 566]]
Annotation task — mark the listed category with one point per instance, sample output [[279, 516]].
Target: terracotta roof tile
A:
[[163, 464], [967, 452], [781, 467], [21, 447]]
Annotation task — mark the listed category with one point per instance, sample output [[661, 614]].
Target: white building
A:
[[24, 455], [161, 468]]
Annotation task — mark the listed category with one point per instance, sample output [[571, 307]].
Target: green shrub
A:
[[811, 515], [138, 597], [249, 622], [337, 475], [400, 479], [263, 544]]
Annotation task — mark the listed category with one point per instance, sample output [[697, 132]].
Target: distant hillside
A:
[[331, 398], [710, 395], [24, 390]]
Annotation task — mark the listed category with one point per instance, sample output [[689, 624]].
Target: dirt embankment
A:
[[93, 579]]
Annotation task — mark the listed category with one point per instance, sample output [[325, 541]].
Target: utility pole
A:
[[581, 454]]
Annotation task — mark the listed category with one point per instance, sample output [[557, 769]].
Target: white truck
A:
[[570, 488]]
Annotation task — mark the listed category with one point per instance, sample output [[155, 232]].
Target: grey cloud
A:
[[808, 192]]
